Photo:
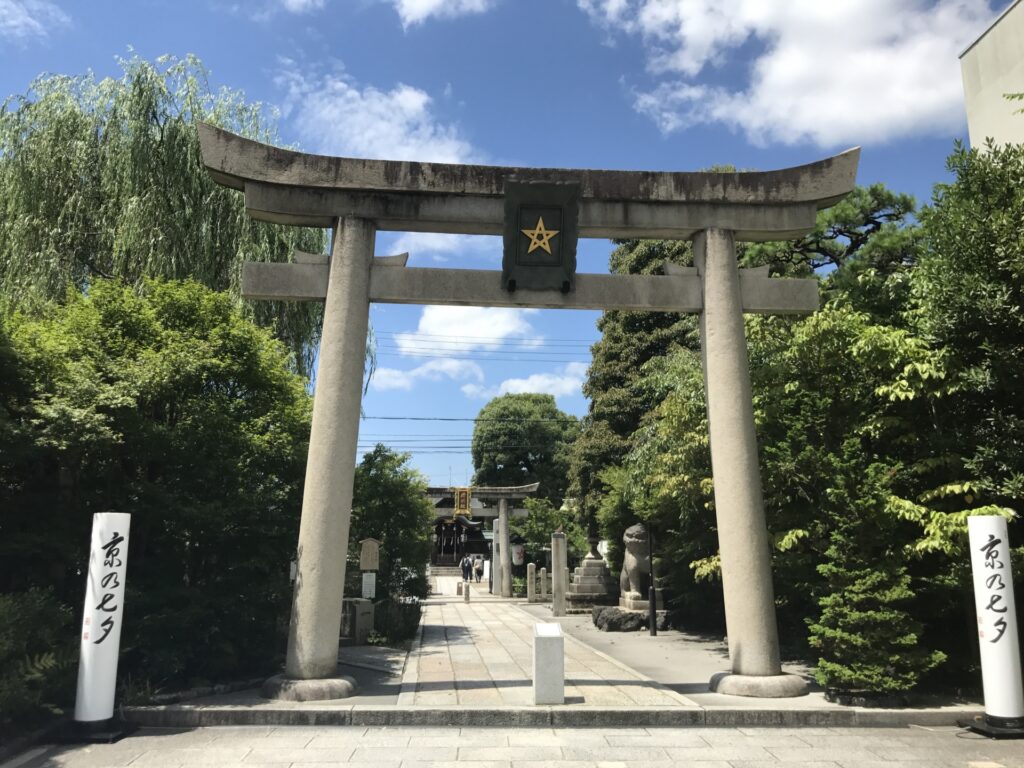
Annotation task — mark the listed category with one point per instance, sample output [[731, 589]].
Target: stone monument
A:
[[592, 584]]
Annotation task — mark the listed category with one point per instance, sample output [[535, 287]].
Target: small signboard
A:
[[463, 501], [541, 229], [369, 555], [369, 585]]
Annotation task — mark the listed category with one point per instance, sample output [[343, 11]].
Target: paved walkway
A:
[[476, 658], [450, 747], [481, 654]]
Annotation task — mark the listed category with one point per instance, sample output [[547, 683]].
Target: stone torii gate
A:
[[356, 198], [501, 553]]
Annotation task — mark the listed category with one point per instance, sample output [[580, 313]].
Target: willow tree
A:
[[104, 179]]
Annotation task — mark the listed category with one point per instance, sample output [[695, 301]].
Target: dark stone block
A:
[[617, 620]]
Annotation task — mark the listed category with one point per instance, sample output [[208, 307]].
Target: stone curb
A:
[[410, 670], [192, 716]]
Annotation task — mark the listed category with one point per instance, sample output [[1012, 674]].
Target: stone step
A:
[[445, 570], [547, 716]]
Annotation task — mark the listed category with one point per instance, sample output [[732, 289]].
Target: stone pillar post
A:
[[739, 507], [531, 583], [330, 466], [496, 570], [543, 585], [506, 550], [558, 570]]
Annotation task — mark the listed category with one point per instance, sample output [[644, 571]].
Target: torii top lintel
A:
[[489, 492], [289, 187]]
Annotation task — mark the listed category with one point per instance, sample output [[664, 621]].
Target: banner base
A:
[[995, 727], [95, 731]]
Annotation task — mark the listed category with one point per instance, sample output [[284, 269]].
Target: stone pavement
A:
[[471, 665], [480, 654], [453, 747]]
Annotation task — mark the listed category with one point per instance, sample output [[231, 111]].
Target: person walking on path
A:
[[478, 568], [467, 566]]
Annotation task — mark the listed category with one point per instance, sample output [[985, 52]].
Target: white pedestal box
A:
[[548, 664]]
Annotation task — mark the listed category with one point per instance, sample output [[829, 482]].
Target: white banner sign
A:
[[997, 617], [101, 620]]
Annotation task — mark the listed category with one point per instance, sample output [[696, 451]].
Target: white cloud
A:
[[302, 6], [333, 114], [439, 246], [25, 20], [467, 329], [826, 72], [435, 370], [417, 11], [568, 382]]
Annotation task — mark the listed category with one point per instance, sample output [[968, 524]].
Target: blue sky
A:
[[630, 84]]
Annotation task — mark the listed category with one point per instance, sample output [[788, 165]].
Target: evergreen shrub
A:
[[38, 657]]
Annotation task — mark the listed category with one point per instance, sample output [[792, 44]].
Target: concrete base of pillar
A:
[[319, 689], [764, 687]]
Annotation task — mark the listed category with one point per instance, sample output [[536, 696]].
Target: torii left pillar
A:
[[312, 660]]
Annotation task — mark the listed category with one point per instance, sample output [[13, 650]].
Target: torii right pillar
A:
[[739, 507]]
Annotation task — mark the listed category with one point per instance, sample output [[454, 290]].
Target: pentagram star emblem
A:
[[539, 236]]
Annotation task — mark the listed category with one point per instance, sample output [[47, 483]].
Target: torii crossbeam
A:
[[357, 197]]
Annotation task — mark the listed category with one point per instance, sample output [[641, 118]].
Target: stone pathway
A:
[[452, 747], [481, 654]]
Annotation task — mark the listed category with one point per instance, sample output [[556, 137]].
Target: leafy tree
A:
[[615, 385], [165, 402], [867, 640], [969, 294], [542, 520], [105, 179], [864, 248], [520, 439], [389, 503]]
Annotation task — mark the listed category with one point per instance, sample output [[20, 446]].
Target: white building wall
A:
[[991, 67]]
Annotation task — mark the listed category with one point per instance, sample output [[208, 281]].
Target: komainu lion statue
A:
[[636, 566]]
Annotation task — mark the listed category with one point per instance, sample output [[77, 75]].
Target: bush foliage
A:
[[166, 403]]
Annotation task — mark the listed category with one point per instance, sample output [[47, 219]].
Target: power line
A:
[[382, 436], [443, 351], [405, 341], [483, 359], [470, 336], [453, 418]]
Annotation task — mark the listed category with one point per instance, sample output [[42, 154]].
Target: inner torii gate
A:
[[356, 198], [501, 553]]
